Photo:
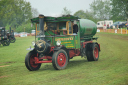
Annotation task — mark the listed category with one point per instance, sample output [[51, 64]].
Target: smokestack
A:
[[10, 30], [4, 31], [41, 22]]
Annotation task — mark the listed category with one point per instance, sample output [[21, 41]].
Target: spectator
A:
[[127, 26], [104, 26], [107, 26]]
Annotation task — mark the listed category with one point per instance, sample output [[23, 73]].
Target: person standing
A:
[[108, 26], [127, 25]]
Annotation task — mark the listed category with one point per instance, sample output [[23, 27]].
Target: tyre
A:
[[6, 43], [12, 39], [92, 52], [2, 42], [60, 59], [30, 61]]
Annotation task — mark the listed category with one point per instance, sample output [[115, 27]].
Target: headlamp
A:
[[58, 42]]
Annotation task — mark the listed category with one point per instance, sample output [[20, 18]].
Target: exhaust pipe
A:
[[41, 22], [41, 46], [10, 30]]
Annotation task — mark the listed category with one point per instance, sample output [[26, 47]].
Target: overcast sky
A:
[[55, 7]]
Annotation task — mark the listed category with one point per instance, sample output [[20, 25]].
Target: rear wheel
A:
[[30, 61], [92, 52], [60, 59], [12, 39]]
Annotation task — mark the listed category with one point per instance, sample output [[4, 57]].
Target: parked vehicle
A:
[[24, 34], [123, 24], [114, 25], [33, 32], [59, 39], [16, 34], [104, 24], [117, 24]]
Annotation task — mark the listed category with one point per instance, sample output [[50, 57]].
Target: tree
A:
[[89, 15], [101, 9], [35, 12], [85, 15], [119, 9], [66, 11], [25, 27], [14, 12], [80, 14]]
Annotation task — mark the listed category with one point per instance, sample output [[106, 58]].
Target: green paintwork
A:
[[68, 41], [87, 28], [49, 33]]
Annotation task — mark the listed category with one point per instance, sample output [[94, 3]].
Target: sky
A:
[[55, 7]]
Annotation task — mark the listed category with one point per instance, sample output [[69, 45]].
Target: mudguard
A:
[[90, 46], [64, 48]]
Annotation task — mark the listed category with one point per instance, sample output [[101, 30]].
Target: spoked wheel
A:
[[12, 39], [6, 43], [60, 59], [30, 61], [92, 52]]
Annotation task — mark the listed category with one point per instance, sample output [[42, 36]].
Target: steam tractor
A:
[[11, 36], [59, 39], [3, 37]]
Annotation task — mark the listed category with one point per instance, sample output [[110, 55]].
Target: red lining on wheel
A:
[[32, 61], [61, 59], [96, 52]]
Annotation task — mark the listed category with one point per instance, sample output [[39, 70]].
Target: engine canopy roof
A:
[[56, 19]]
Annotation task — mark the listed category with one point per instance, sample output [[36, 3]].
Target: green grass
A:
[[124, 28], [111, 69], [113, 34]]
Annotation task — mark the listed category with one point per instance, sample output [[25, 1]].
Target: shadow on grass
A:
[[76, 63], [46, 66], [71, 64], [1, 46]]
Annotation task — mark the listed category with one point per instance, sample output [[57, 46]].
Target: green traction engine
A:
[[59, 39], [11, 36], [3, 37]]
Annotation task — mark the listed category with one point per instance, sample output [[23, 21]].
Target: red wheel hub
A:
[[96, 52], [61, 59], [32, 61]]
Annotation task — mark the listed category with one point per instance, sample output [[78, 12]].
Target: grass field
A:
[[111, 69]]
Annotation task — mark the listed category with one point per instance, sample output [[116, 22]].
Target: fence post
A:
[[126, 30], [115, 30], [121, 30]]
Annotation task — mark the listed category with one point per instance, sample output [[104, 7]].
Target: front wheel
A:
[[60, 59], [30, 61], [5, 43]]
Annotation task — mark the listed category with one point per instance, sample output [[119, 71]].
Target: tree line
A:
[[105, 10], [17, 13]]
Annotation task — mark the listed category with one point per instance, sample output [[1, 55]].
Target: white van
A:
[[104, 24]]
